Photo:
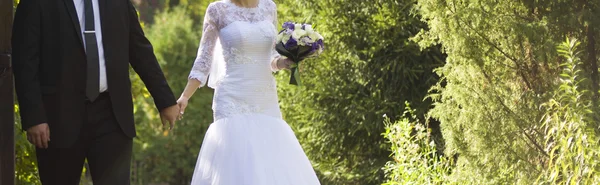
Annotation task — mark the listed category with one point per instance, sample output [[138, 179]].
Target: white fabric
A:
[[220, 15], [79, 7], [217, 70], [252, 149], [249, 143]]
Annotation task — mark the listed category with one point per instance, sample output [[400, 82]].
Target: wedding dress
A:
[[248, 143]]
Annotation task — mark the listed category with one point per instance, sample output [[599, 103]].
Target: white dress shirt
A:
[[79, 6]]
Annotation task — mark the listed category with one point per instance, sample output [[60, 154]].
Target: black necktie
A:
[[92, 87]]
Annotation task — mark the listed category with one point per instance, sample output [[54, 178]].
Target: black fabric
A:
[[107, 149], [92, 83], [49, 64]]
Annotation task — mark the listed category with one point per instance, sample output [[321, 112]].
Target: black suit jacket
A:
[[49, 63]]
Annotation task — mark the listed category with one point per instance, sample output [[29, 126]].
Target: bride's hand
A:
[[284, 63], [182, 102]]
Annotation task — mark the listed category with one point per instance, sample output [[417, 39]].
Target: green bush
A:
[[571, 134], [502, 65], [416, 158], [369, 68], [162, 156]]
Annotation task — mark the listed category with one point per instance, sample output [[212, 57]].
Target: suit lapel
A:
[[103, 16], [102, 7], [73, 13]]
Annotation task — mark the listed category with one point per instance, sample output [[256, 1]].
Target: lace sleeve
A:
[[274, 55], [210, 35]]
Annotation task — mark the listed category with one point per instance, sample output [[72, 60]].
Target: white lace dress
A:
[[248, 143]]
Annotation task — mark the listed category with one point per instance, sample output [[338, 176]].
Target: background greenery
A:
[[499, 92]]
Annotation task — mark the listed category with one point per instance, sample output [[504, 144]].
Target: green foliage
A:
[[501, 65], [572, 137], [512, 109], [26, 172], [195, 9], [416, 159], [162, 156], [369, 68]]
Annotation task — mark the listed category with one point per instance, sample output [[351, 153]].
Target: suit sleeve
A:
[[26, 42], [144, 62]]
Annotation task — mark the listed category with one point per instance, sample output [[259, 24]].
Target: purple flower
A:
[[288, 25], [291, 43], [320, 43], [315, 47]]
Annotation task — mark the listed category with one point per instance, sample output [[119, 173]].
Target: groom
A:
[[71, 65]]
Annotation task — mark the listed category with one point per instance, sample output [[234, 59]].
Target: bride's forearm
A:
[[190, 88]]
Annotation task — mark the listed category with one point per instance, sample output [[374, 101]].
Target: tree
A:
[[502, 65]]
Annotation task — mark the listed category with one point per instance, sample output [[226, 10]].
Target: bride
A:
[[248, 143]]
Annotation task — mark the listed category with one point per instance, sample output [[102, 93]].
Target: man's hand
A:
[[169, 115], [39, 135]]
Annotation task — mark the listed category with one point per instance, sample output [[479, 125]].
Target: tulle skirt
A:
[[252, 149]]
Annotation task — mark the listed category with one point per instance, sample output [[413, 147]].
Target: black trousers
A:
[[101, 141]]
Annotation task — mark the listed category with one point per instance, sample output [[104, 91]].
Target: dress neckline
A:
[[259, 2]]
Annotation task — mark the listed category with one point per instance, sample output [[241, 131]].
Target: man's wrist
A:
[[165, 106], [27, 127]]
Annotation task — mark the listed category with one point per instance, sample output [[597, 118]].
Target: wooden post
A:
[[7, 143]]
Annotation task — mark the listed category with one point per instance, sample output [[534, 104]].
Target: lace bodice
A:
[[237, 48], [218, 21]]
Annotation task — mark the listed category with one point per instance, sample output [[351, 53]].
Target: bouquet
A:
[[298, 42]]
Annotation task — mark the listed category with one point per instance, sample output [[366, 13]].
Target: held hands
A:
[[182, 102], [39, 135], [169, 115]]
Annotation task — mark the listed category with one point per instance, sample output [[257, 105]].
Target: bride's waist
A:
[[244, 82], [255, 72], [252, 92], [256, 65]]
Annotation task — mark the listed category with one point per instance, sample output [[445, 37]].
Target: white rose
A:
[[319, 36], [308, 28], [298, 33], [280, 37], [295, 35], [314, 36], [303, 32]]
